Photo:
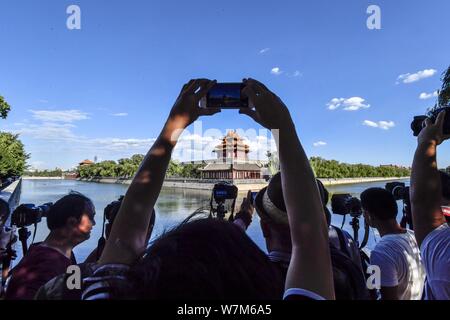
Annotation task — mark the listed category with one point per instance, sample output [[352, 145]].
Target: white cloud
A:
[[120, 114], [413, 77], [296, 73], [276, 71], [59, 115], [425, 96], [385, 125], [348, 104], [262, 51], [319, 144]]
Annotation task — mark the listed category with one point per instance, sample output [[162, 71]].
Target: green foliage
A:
[[444, 94], [333, 169], [44, 173], [4, 108], [12, 155], [274, 162], [127, 168]]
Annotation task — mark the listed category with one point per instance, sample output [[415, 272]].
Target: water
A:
[[173, 206]]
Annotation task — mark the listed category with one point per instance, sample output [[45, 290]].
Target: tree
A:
[[274, 162], [12, 155], [4, 108]]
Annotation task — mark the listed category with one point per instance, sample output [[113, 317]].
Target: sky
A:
[[105, 90]]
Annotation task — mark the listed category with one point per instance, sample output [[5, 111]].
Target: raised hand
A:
[[434, 132], [186, 108], [269, 110]]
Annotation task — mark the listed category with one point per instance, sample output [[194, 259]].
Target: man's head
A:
[[379, 206], [270, 206], [72, 217], [204, 259], [111, 212]]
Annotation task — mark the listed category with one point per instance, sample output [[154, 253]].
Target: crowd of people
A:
[[205, 258]]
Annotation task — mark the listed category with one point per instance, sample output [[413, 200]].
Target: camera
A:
[[419, 121], [28, 214], [343, 204], [443, 104], [226, 96], [224, 191], [399, 190], [221, 192]]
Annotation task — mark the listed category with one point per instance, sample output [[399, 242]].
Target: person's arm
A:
[[310, 266], [426, 186], [130, 230]]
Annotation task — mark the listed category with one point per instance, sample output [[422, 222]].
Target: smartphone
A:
[[226, 96], [254, 196]]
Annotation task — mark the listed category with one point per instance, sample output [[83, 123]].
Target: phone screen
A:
[[226, 96], [254, 196]]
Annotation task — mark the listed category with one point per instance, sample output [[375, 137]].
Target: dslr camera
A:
[[343, 204], [443, 104], [419, 121], [399, 190], [28, 214], [221, 192]]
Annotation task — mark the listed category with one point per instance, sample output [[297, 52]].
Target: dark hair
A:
[[204, 259], [380, 203], [445, 182], [72, 205]]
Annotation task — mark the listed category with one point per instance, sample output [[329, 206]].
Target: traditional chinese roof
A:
[[86, 162]]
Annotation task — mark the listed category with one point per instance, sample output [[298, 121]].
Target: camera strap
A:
[[34, 232]]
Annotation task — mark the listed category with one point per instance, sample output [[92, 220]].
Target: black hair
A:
[[204, 259], [379, 203], [73, 205]]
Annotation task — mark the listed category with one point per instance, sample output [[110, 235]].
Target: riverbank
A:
[[42, 178], [243, 185]]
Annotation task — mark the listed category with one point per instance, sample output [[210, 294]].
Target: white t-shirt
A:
[[400, 263], [435, 250]]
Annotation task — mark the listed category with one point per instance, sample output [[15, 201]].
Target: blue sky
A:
[[106, 90]]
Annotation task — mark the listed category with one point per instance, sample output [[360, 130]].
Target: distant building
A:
[[86, 163], [232, 161]]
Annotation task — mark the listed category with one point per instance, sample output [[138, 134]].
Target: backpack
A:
[[349, 281]]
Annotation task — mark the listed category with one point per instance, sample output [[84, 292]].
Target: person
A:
[[445, 199], [56, 288], [431, 228], [7, 239], [309, 275], [109, 216], [200, 259], [70, 221], [349, 280], [397, 253]]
